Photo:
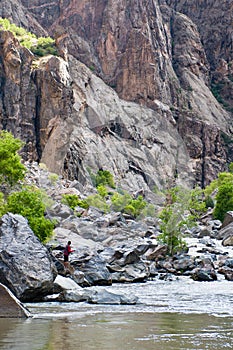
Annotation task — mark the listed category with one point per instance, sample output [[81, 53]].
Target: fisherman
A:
[[66, 253]]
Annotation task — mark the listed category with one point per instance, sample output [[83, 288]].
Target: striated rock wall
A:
[[213, 19], [172, 129]]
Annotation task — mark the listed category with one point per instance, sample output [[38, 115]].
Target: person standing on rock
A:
[[66, 253]]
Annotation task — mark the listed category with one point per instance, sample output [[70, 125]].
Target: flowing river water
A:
[[179, 314]]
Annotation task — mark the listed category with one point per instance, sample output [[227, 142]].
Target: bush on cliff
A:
[[41, 46]]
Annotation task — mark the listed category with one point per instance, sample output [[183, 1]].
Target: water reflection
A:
[[104, 331]]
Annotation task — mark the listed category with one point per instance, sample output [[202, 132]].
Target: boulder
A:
[[204, 271], [226, 268], [66, 283], [26, 266], [10, 306], [106, 297], [225, 231], [156, 252], [227, 272], [228, 219], [95, 296], [94, 269], [202, 275], [137, 272], [228, 240], [183, 263]]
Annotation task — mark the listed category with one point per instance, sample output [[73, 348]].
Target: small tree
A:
[[11, 168], [182, 209]]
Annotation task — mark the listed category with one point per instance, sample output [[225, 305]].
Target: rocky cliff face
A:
[[131, 92]]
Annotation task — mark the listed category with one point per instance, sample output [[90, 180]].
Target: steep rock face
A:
[[18, 14], [18, 97], [214, 23], [151, 55], [147, 51], [72, 121], [114, 38]]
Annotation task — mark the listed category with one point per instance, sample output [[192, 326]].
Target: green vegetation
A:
[[102, 191], [103, 177], [11, 168], [125, 203], [29, 202], [53, 178], [223, 187], [183, 208], [120, 201], [99, 202], [72, 200], [41, 46], [2, 204]]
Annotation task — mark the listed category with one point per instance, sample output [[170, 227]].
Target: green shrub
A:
[[102, 191], [72, 200], [2, 204], [39, 46], [11, 168], [53, 178], [209, 202], [120, 201], [231, 168], [44, 46], [125, 203], [29, 203], [222, 189], [105, 178], [224, 200], [135, 206], [98, 201]]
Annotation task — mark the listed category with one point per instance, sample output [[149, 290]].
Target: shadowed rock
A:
[[10, 306]]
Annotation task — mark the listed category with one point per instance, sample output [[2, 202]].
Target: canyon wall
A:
[[130, 92]]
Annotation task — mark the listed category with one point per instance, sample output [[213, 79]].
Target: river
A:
[[179, 314]]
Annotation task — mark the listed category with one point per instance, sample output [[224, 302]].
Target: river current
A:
[[181, 315]]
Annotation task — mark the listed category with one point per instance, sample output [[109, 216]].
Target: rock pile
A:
[[109, 248]]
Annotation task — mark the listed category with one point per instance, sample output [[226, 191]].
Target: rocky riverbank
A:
[[109, 248]]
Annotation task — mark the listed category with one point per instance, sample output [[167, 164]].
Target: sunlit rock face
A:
[[130, 92]]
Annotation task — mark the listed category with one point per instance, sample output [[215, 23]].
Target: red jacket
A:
[[68, 250]]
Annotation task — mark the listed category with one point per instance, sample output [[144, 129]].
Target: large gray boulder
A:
[[26, 266], [95, 270]]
